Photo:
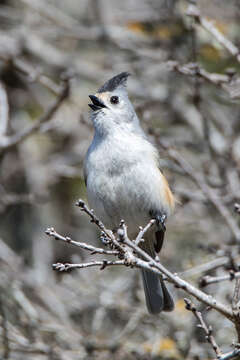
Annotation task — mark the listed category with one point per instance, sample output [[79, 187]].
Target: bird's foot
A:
[[104, 239], [161, 218]]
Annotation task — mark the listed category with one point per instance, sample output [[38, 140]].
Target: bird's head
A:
[[112, 110]]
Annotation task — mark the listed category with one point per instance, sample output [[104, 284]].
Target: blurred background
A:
[[93, 314]]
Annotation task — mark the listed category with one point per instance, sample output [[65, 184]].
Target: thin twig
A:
[[143, 231], [94, 250], [207, 329], [103, 263], [80, 203]]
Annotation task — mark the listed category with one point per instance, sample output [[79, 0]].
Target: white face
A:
[[116, 111], [116, 102]]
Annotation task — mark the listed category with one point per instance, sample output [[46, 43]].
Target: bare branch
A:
[[143, 231], [52, 233], [103, 263], [207, 329], [80, 203], [150, 263], [184, 285]]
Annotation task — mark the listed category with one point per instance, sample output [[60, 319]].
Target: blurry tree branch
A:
[[208, 192], [231, 355], [7, 199], [52, 12], [237, 208], [236, 295], [7, 142], [4, 110], [32, 73], [194, 12], [4, 324], [210, 265], [236, 306], [63, 20], [195, 70], [229, 81], [207, 279]]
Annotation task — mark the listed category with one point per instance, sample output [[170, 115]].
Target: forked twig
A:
[[207, 329]]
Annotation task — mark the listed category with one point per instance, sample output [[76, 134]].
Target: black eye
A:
[[114, 99]]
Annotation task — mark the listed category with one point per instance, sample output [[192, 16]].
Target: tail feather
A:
[[157, 295], [168, 300], [153, 292]]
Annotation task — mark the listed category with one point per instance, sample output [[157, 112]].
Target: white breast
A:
[[123, 181]]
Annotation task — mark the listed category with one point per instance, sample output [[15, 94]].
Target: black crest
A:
[[113, 83]]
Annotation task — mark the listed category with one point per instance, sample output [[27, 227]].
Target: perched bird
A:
[[124, 180]]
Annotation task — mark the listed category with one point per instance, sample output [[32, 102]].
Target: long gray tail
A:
[[157, 295]]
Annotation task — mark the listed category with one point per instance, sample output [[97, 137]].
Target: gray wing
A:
[[85, 171]]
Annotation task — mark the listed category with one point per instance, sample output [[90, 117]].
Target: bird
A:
[[124, 180]]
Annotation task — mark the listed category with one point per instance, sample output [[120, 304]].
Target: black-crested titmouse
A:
[[124, 180]]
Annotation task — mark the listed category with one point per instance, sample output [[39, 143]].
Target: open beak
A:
[[96, 103]]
